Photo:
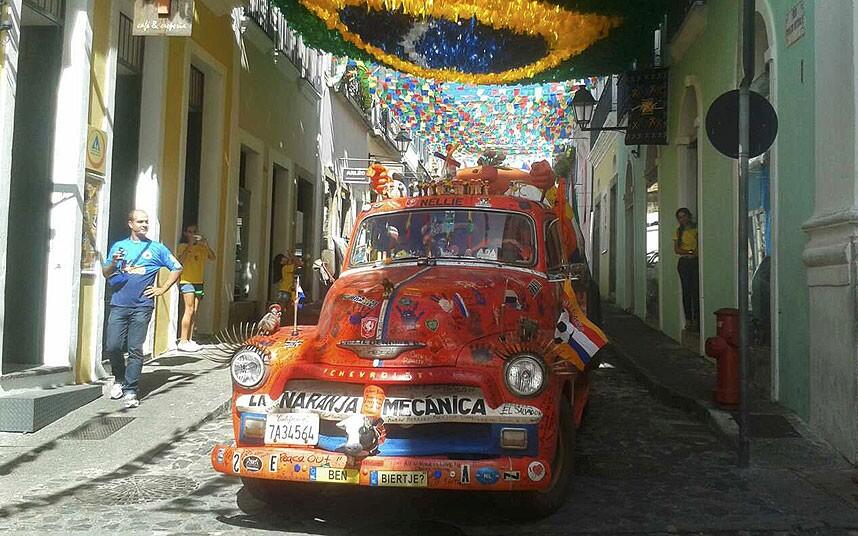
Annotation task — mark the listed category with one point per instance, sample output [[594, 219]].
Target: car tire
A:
[[531, 505]]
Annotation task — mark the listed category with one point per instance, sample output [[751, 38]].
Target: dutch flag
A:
[[577, 339]]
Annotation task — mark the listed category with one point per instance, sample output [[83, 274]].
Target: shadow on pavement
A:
[[30, 505], [156, 379], [173, 361], [379, 512]]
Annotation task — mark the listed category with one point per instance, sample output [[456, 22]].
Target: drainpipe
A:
[[744, 453]]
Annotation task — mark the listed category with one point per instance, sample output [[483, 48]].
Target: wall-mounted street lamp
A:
[[403, 141], [583, 105]]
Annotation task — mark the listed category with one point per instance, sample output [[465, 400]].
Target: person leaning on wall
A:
[[193, 252], [685, 246]]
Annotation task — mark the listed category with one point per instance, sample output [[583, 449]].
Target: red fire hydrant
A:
[[725, 348]]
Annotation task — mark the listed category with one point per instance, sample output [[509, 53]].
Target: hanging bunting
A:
[[484, 41], [518, 120]]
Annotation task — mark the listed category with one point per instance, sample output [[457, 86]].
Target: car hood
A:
[[412, 315]]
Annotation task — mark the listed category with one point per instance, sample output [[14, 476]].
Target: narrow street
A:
[[642, 468]]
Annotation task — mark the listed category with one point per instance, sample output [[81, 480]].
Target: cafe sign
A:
[[163, 17]]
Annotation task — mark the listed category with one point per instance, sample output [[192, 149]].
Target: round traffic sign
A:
[[722, 124]]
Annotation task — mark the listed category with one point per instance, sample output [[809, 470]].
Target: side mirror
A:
[[577, 271], [324, 274]]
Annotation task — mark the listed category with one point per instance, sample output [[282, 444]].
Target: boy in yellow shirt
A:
[[193, 251]]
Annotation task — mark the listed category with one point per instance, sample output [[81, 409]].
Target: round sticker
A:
[[536, 471]]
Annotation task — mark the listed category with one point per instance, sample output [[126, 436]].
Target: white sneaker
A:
[[196, 347], [130, 400], [116, 391], [187, 346]]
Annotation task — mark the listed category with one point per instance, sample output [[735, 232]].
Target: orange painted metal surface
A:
[[404, 343]]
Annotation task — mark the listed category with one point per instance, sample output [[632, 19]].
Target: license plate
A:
[[399, 479], [335, 476], [292, 429]]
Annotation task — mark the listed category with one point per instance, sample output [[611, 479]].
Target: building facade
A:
[[638, 196]]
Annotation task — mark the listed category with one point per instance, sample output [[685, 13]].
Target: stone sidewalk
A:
[[682, 379], [178, 393]]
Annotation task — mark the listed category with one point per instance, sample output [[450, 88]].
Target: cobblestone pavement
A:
[[642, 468]]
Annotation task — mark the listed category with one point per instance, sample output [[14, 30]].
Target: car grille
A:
[[456, 440]]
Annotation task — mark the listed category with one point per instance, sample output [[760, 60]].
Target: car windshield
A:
[[488, 235]]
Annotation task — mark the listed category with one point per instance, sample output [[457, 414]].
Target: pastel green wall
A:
[[794, 157], [708, 66]]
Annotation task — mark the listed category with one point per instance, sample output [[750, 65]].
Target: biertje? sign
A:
[[163, 17]]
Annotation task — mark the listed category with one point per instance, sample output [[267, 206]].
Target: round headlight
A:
[[247, 367], [525, 375]]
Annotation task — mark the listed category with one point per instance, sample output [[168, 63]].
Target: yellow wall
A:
[[214, 36], [97, 113], [603, 175]]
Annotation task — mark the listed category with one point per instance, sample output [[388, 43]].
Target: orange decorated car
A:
[[433, 364]]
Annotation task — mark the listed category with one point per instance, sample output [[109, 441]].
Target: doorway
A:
[[280, 238], [597, 242], [761, 216], [304, 218], [653, 303], [689, 194], [612, 243], [126, 137], [630, 254], [39, 65]]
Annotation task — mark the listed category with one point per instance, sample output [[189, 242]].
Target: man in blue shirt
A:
[[136, 261]]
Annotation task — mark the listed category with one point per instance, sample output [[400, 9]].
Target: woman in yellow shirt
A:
[[685, 245], [193, 251]]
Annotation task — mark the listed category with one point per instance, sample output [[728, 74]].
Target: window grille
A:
[[51, 9], [196, 90], [130, 46]]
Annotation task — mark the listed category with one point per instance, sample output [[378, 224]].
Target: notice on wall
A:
[[164, 17], [96, 150], [89, 257], [795, 24]]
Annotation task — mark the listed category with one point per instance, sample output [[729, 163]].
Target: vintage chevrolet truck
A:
[[431, 365]]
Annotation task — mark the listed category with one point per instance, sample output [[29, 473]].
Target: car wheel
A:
[[529, 505]]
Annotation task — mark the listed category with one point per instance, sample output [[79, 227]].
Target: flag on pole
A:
[[568, 236], [299, 294], [577, 338]]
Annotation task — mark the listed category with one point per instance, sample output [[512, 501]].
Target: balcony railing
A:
[[270, 20], [379, 117]]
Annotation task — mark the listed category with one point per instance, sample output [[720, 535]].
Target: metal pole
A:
[[744, 447]]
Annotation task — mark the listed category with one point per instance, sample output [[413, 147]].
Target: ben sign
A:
[[163, 17]]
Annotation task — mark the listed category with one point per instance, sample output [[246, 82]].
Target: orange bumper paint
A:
[[318, 466]]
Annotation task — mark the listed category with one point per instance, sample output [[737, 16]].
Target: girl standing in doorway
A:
[[193, 251], [685, 245]]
